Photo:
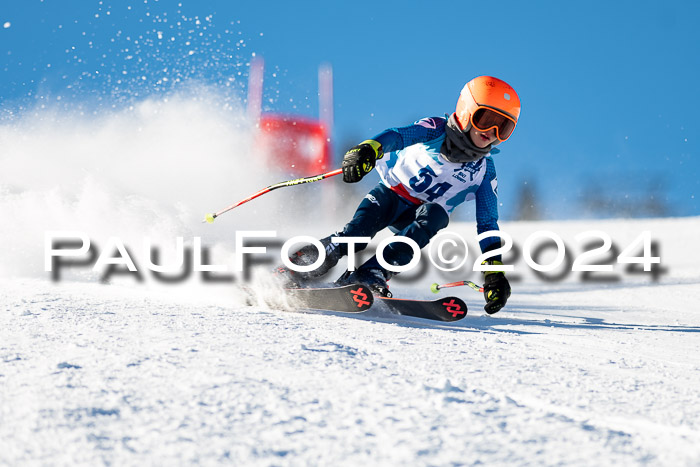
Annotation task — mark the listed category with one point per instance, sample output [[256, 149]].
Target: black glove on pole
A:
[[360, 160], [496, 289]]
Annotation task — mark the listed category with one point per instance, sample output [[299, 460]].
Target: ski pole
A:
[[210, 217], [435, 286]]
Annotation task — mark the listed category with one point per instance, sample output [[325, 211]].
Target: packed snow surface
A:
[[569, 373]]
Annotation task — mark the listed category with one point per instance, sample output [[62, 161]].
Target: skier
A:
[[427, 169]]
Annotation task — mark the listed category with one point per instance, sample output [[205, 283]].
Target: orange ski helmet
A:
[[487, 102]]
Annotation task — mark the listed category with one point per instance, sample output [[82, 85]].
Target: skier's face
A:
[[481, 139]]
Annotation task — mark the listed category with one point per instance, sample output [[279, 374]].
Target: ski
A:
[[357, 298], [444, 309], [353, 298]]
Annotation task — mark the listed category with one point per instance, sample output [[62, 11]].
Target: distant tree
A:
[[636, 195], [527, 208]]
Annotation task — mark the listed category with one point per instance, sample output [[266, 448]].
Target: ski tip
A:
[[362, 297], [453, 309], [351, 298], [435, 287]]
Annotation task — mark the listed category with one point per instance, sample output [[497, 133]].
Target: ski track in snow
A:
[[568, 373], [153, 374], [95, 374]]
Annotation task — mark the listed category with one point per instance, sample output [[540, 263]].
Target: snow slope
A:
[[569, 373]]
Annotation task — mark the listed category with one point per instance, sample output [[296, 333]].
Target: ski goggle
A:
[[485, 118]]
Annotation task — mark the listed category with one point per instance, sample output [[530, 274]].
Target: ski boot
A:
[[308, 254], [374, 278]]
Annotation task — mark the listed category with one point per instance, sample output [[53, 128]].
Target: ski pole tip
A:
[[435, 287], [209, 218]]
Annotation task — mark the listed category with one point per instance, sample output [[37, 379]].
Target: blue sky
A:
[[609, 89]]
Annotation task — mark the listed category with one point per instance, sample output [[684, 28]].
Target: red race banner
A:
[[294, 143]]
